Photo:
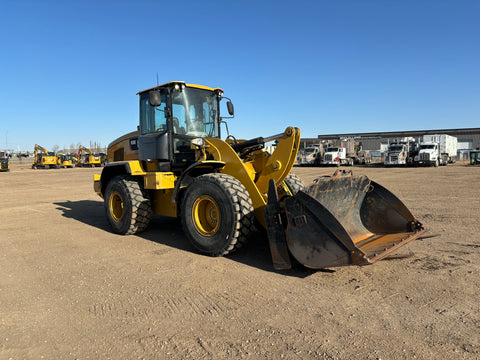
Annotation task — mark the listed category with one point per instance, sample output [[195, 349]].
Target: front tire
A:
[[216, 214], [294, 183], [127, 205]]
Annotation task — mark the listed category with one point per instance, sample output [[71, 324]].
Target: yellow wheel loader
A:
[[44, 158], [176, 165]]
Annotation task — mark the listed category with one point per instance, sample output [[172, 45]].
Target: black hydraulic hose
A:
[[254, 142], [246, 144]]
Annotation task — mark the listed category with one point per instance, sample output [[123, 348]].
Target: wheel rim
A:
[[116, 206], [206, 215]]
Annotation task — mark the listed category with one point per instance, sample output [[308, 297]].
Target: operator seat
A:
[[177, 129]]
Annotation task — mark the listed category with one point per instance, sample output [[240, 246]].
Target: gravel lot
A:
[[71, 289]]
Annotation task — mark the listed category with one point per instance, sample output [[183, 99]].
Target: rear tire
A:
[[216, 214], [127, 205]]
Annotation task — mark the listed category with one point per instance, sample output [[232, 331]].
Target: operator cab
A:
[[173, 114]]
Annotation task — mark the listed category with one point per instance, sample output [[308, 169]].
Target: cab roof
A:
[[173, 83]]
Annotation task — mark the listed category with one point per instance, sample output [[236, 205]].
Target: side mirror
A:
[[154, 98], [230, 108]]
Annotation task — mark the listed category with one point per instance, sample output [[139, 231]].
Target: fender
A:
[[194, 170], [110, 170]]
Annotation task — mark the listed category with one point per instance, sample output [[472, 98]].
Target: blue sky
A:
[[70, 70]]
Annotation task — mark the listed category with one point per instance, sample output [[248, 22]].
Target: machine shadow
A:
[[255, 253], [168, 231], [86, 211]]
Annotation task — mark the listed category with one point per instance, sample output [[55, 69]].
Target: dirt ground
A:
[[71, 289]]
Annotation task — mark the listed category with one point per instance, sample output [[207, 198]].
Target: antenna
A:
[[157, 79]]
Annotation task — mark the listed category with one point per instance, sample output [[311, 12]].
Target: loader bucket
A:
[[343, 220]]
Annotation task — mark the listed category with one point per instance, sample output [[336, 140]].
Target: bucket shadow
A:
[[168, 231]]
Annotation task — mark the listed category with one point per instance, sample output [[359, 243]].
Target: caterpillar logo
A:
[[133, 144]]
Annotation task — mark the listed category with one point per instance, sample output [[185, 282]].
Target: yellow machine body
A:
[[254, 173]]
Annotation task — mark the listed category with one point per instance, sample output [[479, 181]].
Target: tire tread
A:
[[140, 202], [242, 207]]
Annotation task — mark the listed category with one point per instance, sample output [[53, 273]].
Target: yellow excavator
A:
[[89, 158], [176, 165], [44, 158], [67, 160]]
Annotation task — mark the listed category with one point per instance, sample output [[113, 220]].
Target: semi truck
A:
[[309, 156], [336, 156], [355, 153], [363, 157], [437, 149], [401, 152]]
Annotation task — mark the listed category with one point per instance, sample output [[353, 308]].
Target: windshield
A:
[[396, 148], [332, 149], [195, 113], [423, 147], [309, 150]]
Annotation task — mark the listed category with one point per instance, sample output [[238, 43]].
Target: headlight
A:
[[198, 142]]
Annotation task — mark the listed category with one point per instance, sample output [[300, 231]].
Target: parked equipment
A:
[[218, 188], [363, 157], [89, 158], [439, 149], [309, 156], [44, 158], [67, 160], [355, 152], [401, 152], [475, 157], [4, 166], [336, 156]]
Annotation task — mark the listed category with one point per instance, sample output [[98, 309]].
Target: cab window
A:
[[152, 119]]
